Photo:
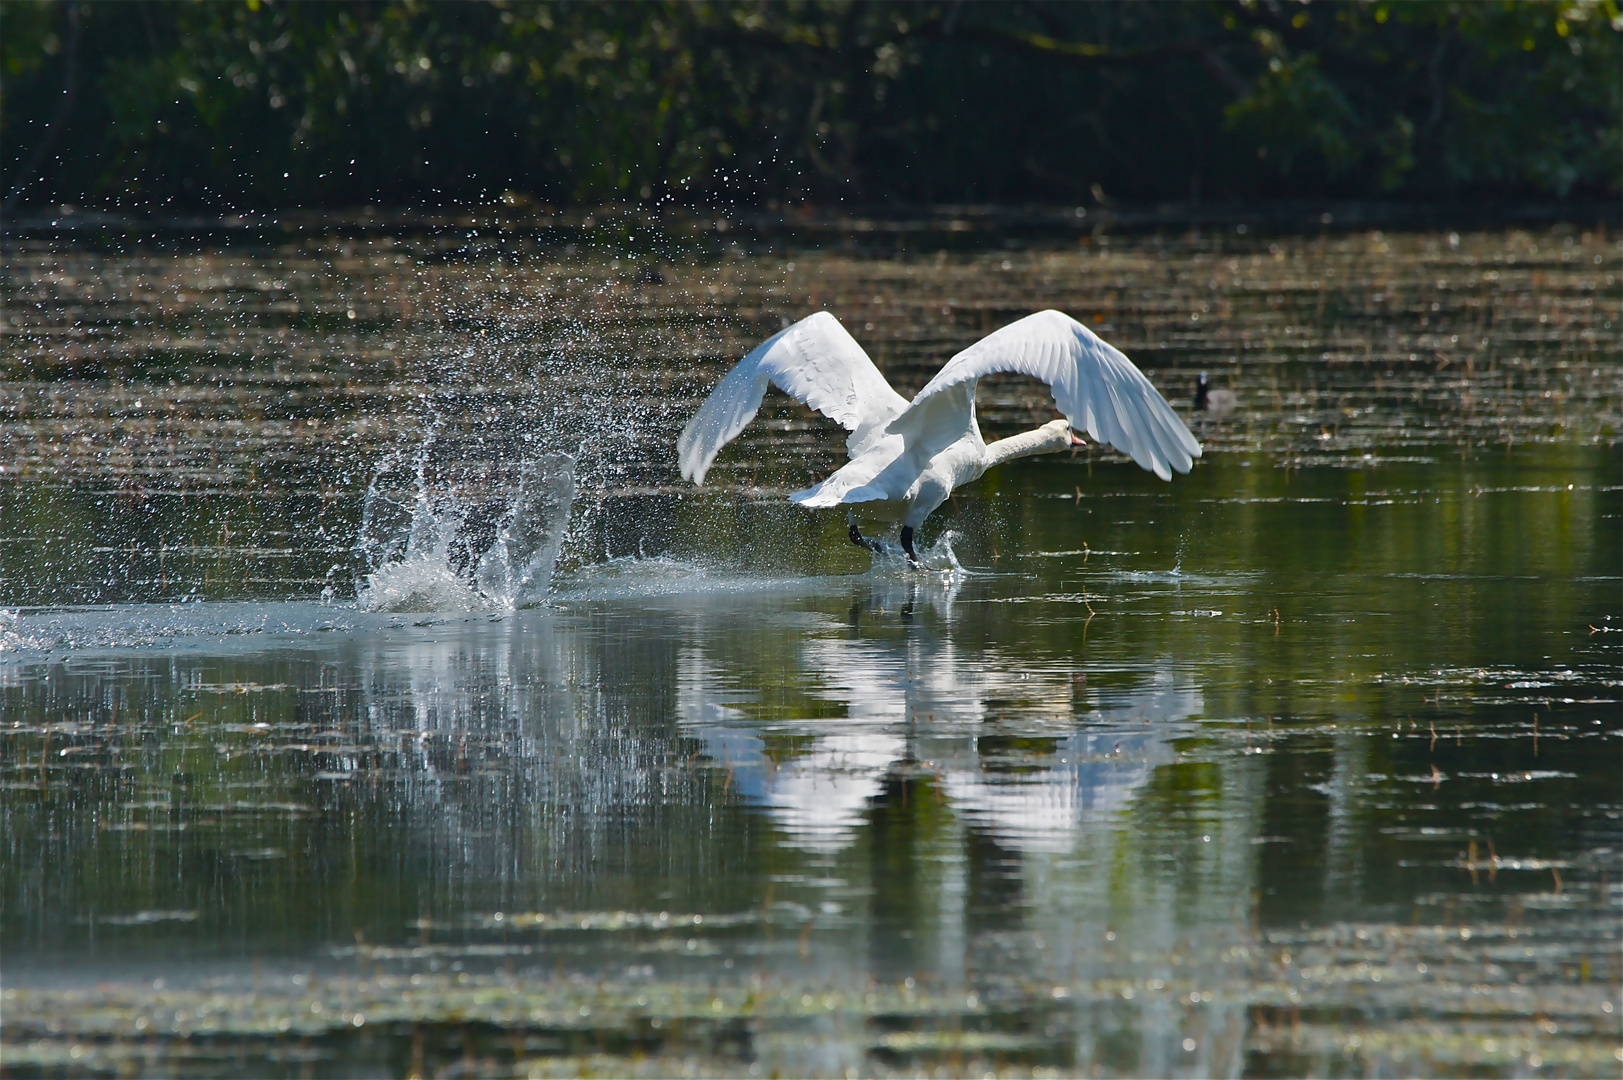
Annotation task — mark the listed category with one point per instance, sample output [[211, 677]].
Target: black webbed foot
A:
[[862, 541]]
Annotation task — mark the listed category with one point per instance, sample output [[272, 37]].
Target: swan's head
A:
[[1058, 435]]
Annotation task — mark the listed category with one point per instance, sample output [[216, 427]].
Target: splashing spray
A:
[[438, 546]]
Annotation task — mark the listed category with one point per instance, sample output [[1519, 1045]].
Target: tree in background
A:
[[156, 104]]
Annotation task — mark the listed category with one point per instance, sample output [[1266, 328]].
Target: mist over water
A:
[[374, 699]]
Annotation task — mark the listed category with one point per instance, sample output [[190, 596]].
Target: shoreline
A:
[[927, 228]]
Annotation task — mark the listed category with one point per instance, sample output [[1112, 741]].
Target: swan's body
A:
[[907, 457]]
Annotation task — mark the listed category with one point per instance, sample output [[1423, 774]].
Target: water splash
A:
[[451, 548], [518, 566], [11, 637], [889, 558]]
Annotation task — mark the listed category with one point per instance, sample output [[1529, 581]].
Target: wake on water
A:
[[424, 573], [432, 554], [650, 577], [431, 544]]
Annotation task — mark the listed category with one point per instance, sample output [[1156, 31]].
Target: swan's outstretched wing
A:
[[815, 362], [1098, 389]]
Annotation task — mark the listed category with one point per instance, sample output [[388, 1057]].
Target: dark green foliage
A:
[[245, 105]]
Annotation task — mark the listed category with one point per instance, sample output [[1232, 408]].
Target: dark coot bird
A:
[[1214, 403]]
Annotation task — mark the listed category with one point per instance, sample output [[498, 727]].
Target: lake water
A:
[[1307, 763]]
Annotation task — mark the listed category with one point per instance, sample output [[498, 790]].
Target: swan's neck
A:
[[1051, 437]]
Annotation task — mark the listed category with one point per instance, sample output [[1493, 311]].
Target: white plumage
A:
[[907, 457]]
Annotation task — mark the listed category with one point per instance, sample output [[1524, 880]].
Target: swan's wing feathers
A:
[[1098, 389], [853, 482], [820, 364], [817, 363]]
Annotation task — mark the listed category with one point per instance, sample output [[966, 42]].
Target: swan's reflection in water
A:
[[921, 703], [982, 802], [809, 718]]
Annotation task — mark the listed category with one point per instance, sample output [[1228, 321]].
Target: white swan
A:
[[907, 457]]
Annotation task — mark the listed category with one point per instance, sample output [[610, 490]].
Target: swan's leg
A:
[[858, 539], [907, 544]]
